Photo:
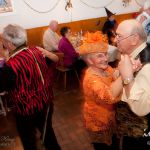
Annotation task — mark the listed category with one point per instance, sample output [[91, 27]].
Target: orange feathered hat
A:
[[93, 43]]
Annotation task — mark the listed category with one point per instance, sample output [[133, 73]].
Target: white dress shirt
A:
[[139, 99], [50, 40]]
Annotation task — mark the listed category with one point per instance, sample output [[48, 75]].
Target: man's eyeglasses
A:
[[119, 38]]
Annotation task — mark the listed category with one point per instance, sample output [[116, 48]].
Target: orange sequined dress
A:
[[99, 106]]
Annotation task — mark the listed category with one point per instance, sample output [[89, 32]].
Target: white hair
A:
[[15, 34], [53, 24], [135, 27], [146, 4]]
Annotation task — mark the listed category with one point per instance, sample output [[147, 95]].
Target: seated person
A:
[[70, 55], [50, 37], [110, 26]]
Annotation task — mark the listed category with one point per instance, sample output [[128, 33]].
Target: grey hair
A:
[[135, 28], [53, 22], [138, 29], [146, 4], [15, 34]]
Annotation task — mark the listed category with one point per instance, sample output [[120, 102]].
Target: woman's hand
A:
[[125, 67], [116, 74], [48, 54], [44, 52], [136, 64], [128, 66]]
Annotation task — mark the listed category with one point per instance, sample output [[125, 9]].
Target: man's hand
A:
[[125, 67]]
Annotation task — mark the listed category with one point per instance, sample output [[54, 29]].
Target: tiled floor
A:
[[67, 123]]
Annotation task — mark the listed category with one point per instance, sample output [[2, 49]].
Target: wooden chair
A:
[[64, 70]]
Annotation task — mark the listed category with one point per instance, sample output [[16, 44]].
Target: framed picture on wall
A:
[[6, 6]]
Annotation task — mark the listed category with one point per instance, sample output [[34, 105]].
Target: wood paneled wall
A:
[[35, 34]]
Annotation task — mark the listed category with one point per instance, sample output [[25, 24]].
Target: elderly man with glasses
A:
[[134, 69]]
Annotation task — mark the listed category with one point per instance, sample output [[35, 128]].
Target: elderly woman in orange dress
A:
[[102, 89]]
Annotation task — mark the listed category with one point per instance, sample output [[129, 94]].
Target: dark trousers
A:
[[102, 146], [130, 143], [26, 126]]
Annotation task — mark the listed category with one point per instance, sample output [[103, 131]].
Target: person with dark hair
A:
[[64, 30], [70, 54], [134, 69], [26, 76], [110, 26]]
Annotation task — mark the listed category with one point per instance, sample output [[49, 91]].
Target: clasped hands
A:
[[128, 66]]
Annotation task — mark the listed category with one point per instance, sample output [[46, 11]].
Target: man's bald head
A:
[[132, 26], [146, 5], [130, 35], [53, 25]]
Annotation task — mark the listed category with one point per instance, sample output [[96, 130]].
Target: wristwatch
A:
[[128, 80]]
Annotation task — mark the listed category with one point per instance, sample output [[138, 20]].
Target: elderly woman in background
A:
[[70, 54], [100, 92], [26, 78]]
